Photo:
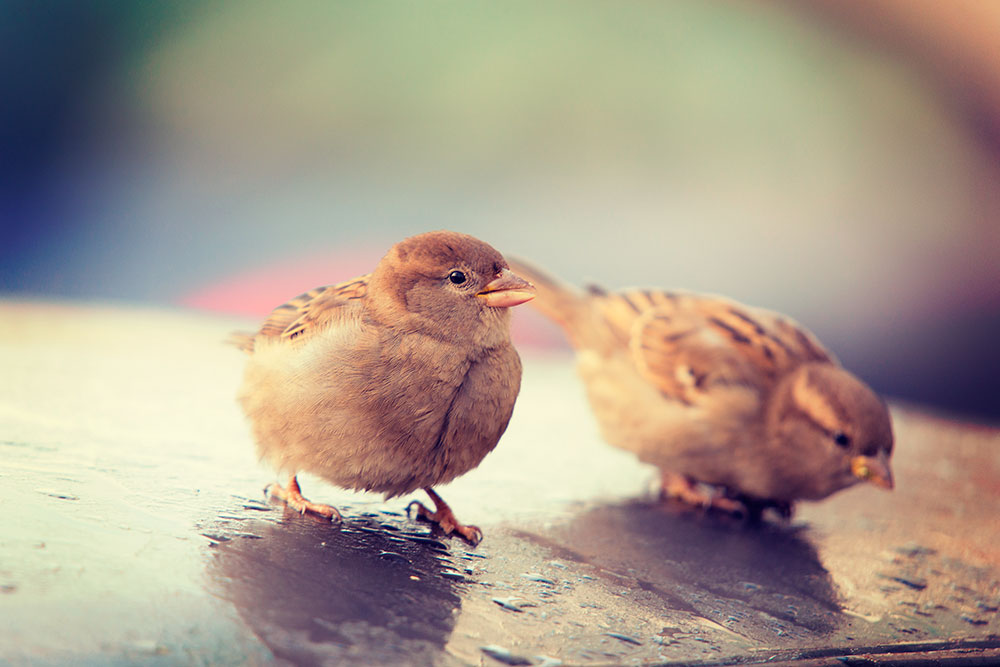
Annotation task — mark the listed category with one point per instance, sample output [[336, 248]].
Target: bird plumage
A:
[[719, 392], [393, 381]]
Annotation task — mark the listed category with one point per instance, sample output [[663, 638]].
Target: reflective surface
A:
[[372, 591], [133, 531]]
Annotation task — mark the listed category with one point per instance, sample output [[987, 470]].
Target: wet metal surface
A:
[[133, 531], [372, 591]]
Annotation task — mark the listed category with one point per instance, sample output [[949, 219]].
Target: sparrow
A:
[[401, 379], [716, 393]]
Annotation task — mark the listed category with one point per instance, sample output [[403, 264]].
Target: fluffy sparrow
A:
[[401, 379], [717, 393]]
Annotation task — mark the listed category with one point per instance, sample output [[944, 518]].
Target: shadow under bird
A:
[[717, 393], [401, 379]]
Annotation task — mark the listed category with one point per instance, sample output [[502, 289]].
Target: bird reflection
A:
[[369, 591], [762, 581]]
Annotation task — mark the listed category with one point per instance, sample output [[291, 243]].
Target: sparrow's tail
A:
[[242, 340], [564, 304]]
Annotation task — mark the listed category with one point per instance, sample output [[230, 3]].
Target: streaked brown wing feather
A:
[[684, 344], [313, 310], [621, 310]]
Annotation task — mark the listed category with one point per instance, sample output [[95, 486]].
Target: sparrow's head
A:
[[835, 428], [448, 285]]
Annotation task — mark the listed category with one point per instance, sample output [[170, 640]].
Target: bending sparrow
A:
[[401, 379], [718, 393]]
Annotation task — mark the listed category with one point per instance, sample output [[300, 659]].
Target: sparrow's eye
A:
[[842, 439], [456, 277]]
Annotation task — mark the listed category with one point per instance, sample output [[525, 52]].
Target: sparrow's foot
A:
[[445, 518], [683, 488], [292, 496]]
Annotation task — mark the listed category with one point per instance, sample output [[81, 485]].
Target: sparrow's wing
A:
[[308, 312], [685, 344]]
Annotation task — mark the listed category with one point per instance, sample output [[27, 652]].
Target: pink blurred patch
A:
[[529, 328], [255, 293]]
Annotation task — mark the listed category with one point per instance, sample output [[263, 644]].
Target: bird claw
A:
[[472, 534], [293, 498], [687, 491], [416, 511], [445, 520]]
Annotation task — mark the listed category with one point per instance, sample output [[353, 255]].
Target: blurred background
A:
[[837, 161]]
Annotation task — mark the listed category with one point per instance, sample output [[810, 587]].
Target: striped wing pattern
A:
[[685, 343], [308, 312]]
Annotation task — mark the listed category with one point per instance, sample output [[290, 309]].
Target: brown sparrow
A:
[[401, 379], [718, 393]]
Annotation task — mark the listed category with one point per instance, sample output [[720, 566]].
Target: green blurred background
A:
[[836, 161]]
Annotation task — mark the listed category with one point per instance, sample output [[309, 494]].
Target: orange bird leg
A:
[[684, 489], [294, 499], [445, 518]]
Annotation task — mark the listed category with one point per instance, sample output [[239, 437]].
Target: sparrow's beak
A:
[[874, 469], [507, 290]]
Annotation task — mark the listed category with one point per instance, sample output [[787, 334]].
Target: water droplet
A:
[[394, 557], [508, 604], [57, 494], [258, 508], [432, 543], [910, 582], [625, 638], [504, 655]]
